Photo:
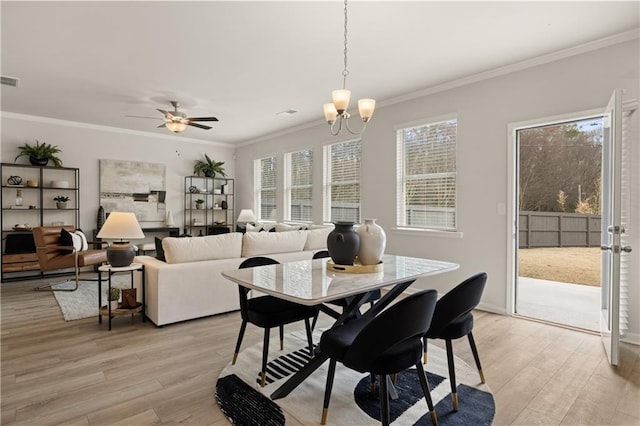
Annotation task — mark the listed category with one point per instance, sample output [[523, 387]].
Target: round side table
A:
[[106, 310]]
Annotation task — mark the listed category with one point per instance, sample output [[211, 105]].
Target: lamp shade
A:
[[121, 225], [341, 99], [366, 107], [246, 215], [330, 112]]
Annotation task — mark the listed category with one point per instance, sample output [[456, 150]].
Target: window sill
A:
[[428, 233]]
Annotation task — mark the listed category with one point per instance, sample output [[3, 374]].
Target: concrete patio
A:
[[571, 304]]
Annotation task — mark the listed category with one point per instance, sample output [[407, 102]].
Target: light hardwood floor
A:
[[78, 373]]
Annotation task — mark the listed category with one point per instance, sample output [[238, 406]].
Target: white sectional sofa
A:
[[189, 285]]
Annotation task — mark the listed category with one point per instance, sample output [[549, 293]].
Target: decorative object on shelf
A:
[[101, 218], [63, 184], [199, 203], [123, 226], [114, 296], [32, 183], [224, 188], [373, 241], [193, 189], [40, 154], [209, 167], [129, 298], [224, 205], [343, 243], [217, 191], [18, 197], [14, 180], [170, 221], [337, 110], [61, 201], [246, 216], [22, 227]]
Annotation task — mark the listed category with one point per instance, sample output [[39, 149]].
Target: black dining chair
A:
[[453, 319], [384, 345], [268, 312]]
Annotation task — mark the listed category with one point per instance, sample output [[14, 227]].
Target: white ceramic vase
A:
[[373, 240]]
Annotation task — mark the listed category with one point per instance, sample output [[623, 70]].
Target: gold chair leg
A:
[[454, 397], [264, 379], [235, 357], [481, 376], [434, 418], [325, 412]]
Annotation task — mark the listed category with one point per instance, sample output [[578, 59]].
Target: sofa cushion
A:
[[317, 238], [196, 249], [261, 243]]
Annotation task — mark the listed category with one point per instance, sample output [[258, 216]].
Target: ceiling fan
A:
[[177, 121]]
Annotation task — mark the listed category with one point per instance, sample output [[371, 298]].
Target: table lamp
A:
[[122, 226], [246, 215]]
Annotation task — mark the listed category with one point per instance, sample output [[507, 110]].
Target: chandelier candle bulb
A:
[[366, 107], [341, 99], [330, 112]]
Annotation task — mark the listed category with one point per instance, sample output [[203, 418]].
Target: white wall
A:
[[84, 145], [484, 110]]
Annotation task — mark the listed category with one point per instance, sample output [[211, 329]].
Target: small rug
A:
[[83, 303], [351, 403]]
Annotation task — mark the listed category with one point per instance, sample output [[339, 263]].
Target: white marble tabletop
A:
[[309, 282]]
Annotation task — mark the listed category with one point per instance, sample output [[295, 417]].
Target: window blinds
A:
[[342, 182], [426, 175], [266, 191], [299, 185]]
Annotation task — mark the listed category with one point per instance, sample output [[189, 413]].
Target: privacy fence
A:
[[543, 229]]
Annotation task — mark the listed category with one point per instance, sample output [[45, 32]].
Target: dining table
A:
[[312, 283]]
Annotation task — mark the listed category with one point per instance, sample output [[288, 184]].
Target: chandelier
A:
[[336, 111]]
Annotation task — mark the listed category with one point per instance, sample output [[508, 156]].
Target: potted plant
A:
[[61, 201], [114, 295], [40, 153], [208, 167], [199, 203]]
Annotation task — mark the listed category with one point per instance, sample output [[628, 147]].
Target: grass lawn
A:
[[577, 265]]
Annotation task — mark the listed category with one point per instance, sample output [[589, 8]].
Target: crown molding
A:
[[80, 125]]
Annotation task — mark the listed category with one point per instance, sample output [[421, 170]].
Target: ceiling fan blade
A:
[[141, 116], [200, 126], [202, 119], [162, 125], [166, 113]]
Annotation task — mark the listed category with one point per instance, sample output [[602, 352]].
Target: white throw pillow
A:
[[196, 249], [263, 243], [317, 238], [251, 228], [80, 240], [283, 227], [265, 226]]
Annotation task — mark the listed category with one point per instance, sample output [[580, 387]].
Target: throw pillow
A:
[[84, 246], [251, 228], [66, 240], [159, 250]]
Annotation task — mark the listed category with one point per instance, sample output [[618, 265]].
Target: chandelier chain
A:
[[345, 72]]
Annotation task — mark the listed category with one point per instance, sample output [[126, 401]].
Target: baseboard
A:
[[632, 338], [500, 310]]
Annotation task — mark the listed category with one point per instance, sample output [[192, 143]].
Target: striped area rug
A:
[[351, 402]]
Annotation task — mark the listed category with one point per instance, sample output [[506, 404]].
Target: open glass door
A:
[[615, 196]]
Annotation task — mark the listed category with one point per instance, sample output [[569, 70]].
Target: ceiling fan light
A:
[[176, 126], [366, 107], [341, 99]]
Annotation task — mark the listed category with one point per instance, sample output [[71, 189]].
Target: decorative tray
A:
[[356, 268], [22, 228]]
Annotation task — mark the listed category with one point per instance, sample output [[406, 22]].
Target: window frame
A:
[[258, 189], [289, 187], [328, 184], [401, 179]]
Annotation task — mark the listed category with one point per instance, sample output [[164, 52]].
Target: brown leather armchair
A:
[[53, 256]]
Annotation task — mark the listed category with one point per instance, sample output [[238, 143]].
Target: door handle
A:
[[615, 229], [616, 249]]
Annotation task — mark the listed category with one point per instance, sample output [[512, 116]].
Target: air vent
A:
[[9, 81]]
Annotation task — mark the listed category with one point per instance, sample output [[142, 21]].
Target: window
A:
[[342, 182], [265, 184], [426, 175], [298, 185]]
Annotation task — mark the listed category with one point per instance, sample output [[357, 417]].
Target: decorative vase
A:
[[373, 240], [343, 243], [61, 204], [199, 206], [209, 173], [35, 161], [100, 218], [224, 205], [14, 180], [18, 197]]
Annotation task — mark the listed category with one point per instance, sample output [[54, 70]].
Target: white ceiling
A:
[[96, 62]]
